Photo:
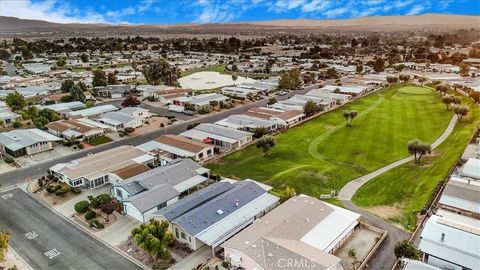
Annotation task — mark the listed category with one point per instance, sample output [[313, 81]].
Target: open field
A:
[[407, 188], [323, 154]]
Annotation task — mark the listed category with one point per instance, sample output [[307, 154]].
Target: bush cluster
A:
[[90, 215], [82, 207]]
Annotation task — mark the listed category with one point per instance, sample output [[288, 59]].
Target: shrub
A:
[[82, 207], [94, 223], [17, 124], [203, 111], [80, 146], [225, 264], [99, 200], [40, 182], [76, 190], [8, 159], [129, 129], [90, 215], [63, 189], [53, 188]]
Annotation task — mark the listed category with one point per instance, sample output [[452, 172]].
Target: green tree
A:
[[161, 72], [15, 101], [84, 57], [112, 79], [405, 78], [422, 80], [442, 88], [99, 78], [418, 149], [154, 237], [464, 69], [353, 115], [266, 143], [76, 94], [272, 101], [287, 193], [407, 249], [461, 111], [447, 100], [392, 79], [400, 67], [61, 63], [311, 108], [290, 80], [259, 132], [90, 103], [66, 86], [379, 65], [359, 68], [4, 237]]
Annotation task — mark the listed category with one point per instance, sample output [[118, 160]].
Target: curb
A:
[[119, 251]]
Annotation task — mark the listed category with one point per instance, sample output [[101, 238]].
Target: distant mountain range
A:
[[14, 26]]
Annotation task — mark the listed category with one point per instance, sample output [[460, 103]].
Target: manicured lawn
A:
[[408, 187], [323, 154], [217, 68], [99, 140]]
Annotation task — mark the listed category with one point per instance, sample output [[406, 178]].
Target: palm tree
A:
[[346, 115], [353, 114]]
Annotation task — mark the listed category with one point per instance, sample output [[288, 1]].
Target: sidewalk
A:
[[12, 258]]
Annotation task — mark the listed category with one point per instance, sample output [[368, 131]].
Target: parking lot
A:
[[47, 241]]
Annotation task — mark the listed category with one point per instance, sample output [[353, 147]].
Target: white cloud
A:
[[333, 13], [51, 10], [416, 10], [316, 5]]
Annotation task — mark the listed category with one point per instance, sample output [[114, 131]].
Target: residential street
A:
[[20, 175], [46, 241]]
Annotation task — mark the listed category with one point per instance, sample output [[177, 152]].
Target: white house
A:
[[148, 192], [218, 135]]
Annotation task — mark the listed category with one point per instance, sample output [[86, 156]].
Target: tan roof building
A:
[[303, 229], [179, 146], [92, 171]]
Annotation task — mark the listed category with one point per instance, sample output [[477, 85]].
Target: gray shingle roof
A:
[[153, 187], [17, 139], [223, 131]]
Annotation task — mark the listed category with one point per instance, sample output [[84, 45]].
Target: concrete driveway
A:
[[47, 241], [200, 256]]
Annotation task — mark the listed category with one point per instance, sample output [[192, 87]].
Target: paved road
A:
[[18, 176], [68, 247], [384, 257]]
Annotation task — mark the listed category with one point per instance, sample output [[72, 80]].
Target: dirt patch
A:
[[49, 198], [386, 211], [151, 124], [130, 247]]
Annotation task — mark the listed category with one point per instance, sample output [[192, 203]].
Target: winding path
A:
[[384, 258]]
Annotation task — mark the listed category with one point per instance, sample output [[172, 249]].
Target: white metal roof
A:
[[336, 223], [472, 168]]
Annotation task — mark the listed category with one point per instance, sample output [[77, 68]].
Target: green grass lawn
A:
[[99, 140], [323, 154], [217, 68], [408, 187]]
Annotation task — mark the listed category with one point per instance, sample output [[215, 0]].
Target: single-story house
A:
[[248, 123], [113, 91], [283, 118], [202, 101], [168, 95], [471, 169], [9, 117], [302, 228], [119, 120], [64, 108], [149, 90], [93, 170], [28, 142], [221, 136], [69, 128], [148, 192], [238, 91], [355, 90], [136, 112], [93, 112], [179, 147], [214, 214], [339, 98], [462, 196], [451, 241]]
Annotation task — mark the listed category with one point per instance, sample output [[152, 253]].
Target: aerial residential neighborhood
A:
[[240, 135]]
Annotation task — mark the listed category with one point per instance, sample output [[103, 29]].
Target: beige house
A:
[[26, 142]]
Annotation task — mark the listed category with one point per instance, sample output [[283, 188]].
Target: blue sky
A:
[[211, 11]]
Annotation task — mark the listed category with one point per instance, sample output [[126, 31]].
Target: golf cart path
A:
[[347, 191], [384, 258]]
